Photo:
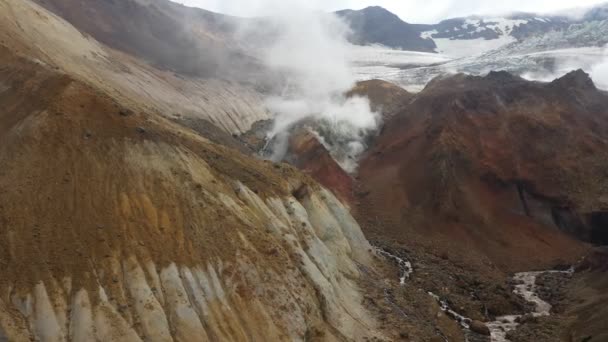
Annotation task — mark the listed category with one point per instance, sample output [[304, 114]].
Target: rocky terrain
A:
[[578, 299], [139, 229], [478, 154], [118, 223], [478, 177], [135, 205], [475, 178]]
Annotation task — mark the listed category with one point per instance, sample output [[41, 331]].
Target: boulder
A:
[[480, 328]]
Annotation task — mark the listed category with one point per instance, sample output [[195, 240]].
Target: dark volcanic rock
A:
[[480, 328], [577, 79]]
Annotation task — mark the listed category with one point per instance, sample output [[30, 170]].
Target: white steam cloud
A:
[[309, 49], [593, 60], [599, 72]]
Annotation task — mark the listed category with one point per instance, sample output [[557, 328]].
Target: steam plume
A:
[[309, 49], [599, 72]]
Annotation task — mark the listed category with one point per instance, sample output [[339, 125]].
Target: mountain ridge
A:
[[504, 29]]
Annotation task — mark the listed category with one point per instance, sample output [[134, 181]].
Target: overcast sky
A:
[[414, 11]]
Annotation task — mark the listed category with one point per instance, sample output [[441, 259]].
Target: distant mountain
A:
[[376, 25], [518, 26], [475, 35]]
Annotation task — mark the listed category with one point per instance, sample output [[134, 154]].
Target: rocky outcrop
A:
[[480, 328]]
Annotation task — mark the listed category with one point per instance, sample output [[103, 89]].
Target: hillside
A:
[[496, 161], [123, 228], [476, 178], [118, 224], [134, 205], [129, 211]]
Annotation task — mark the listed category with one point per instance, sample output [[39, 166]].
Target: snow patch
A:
[[428, 34], [506, 26]]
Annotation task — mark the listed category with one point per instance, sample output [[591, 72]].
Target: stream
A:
[[405, 267], [526, 288]]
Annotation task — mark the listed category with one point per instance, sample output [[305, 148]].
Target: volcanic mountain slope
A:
[[493, 167], [127, 227], [119, 224], [121, 221]]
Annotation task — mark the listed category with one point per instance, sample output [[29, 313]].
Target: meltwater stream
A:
[[405, 266], [526, 288]]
